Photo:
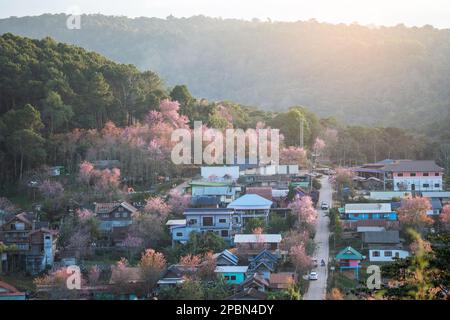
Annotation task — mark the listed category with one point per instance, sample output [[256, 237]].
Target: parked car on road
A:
[[324, 206], [313, 276]]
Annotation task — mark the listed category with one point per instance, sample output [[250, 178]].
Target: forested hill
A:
[[394, 76], [72, 87]]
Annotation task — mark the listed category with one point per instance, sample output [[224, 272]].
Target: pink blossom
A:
[[319, 145], [84, 214], [303, 209], [157, 206], [51, 189]]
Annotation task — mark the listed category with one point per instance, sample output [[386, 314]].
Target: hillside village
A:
[[93, 207], [234, 233]]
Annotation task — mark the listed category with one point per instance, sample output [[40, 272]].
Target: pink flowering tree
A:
[[152, 265], [303, 209], [84, 214], [413, 213], [157, 206], [293, 155], [132, 244], [300, 259], [178, 201], [51, 189], [319, 145], [444, 218], [85, 172]]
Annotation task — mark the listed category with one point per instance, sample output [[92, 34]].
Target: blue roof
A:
[[204, 200], [250, 201], [265, 253], [229, 256]]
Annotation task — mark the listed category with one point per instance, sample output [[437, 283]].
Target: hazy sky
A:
[[379, 12]]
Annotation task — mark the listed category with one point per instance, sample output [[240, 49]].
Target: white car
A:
[[324, 206], [313, 276]]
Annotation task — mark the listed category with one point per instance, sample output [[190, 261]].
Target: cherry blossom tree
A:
[[293, 155], [151, 265], [319, 145], [190, 260], [84, 214], [303, 209], [132, 243], [85, 172], [413, 213], [300, 259], [51, 189], [444, 218], [207, 267], [178, 202], [157, 206]]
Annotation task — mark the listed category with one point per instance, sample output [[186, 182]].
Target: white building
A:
[[386, 254], [409, 175], [220, 172]]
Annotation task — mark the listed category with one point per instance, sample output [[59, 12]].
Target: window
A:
[[413, 174], [437, 185], [227, 277], [437, 174], [18, 226], [375, 253], [425, 174], [179, 234], [125, 214], [207, 221], [193, 221], [232, 278], [388, 253], [117, 214], [426, 185], [400, 175], [222, 220], [224, 233]]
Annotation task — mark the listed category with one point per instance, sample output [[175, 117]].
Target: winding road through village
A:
[[317, 288]]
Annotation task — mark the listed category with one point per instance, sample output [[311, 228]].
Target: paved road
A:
[[317, 288]]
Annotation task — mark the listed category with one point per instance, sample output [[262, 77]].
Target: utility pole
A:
[[301, 134]]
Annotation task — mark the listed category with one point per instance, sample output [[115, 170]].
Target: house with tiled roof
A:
[[31, 243], [282, 280], [255, 281], [114, 214], [226, 258]]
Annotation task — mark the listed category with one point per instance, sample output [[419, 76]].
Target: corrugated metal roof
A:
[[413, 166], [232, 269], [250, 201], [391, 236], [257, 238], [368, 208], [176, 222]]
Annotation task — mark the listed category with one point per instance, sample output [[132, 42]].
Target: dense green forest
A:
[[388, 76], [61, 105]]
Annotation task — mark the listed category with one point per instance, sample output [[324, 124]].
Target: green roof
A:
[[349, 254]]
